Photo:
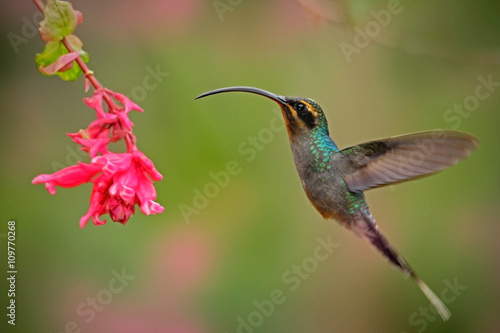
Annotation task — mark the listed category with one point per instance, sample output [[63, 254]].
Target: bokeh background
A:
[[204, 272]]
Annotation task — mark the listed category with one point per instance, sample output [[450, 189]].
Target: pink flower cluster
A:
[[120, 180]]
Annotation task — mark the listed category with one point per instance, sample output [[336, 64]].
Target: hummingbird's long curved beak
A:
[[277, 98]]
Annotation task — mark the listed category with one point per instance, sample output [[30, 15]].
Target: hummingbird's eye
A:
[[301, 107]]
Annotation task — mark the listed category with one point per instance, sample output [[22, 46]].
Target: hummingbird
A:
[[334, 179]]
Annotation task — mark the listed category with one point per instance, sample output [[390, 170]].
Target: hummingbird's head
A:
[[301, 115]]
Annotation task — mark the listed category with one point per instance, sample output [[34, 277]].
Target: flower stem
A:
[[39, 4], [89, 75]]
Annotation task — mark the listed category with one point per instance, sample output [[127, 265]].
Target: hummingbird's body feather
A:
[[334, 180]]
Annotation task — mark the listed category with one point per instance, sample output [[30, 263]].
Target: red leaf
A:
[[63, 63]]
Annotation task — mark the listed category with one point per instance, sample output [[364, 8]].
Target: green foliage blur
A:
[[236, 248]]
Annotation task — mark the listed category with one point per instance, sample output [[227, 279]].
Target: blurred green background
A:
[[241, 245]]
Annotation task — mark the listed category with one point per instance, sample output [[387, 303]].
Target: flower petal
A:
[[147, 165], [85, 218], [96, 219], [68, 177], [95, 102], [128, 105], [151, 207], [120, 211], [124, 120]]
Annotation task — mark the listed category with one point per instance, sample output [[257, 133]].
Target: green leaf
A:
[[60, 20], [55, 49]]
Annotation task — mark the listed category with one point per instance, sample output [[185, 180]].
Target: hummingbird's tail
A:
[[371, 231]]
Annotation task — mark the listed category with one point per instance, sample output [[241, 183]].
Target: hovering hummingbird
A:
[[334, 179]]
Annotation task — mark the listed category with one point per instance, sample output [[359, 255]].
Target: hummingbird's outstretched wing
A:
[[401, 158]]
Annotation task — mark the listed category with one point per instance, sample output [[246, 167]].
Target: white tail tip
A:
[[436, 302]]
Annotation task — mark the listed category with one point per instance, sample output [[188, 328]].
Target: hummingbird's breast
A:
[[322, 170]]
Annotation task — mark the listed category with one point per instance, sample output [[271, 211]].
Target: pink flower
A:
[[92, 141], [119, 112], [120, 182]]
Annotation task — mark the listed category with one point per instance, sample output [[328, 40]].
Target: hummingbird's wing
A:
[[405, 157]]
